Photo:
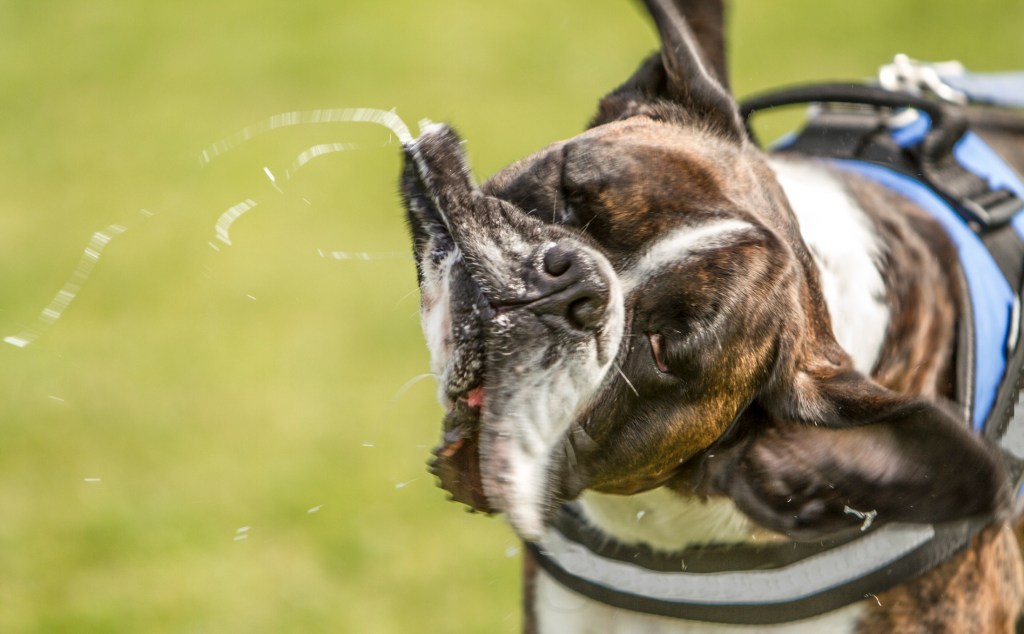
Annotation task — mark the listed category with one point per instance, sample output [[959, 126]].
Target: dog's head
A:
[[635, 306]]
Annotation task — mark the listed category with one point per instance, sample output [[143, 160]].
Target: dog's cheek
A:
[[647, 445]]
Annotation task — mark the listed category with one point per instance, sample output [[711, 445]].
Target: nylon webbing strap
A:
[[994, 89], [1006, 423], [814, 582], [857, 131]]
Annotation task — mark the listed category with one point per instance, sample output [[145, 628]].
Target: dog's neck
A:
[[848, 248]]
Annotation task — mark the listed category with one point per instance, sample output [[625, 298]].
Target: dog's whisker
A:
[[570, 453], [407, 296], [67, 294], [408, 385], [227, 218], [387, 118], [626, 379], [370, 440]]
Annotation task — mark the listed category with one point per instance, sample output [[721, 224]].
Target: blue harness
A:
[[995, 306], [935, 161]]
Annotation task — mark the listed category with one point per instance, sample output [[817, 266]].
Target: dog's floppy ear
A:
[[689, 72], [854, 455]]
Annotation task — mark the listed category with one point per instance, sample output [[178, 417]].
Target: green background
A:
[[225, 440]]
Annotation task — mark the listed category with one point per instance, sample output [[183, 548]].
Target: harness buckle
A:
[[916, 77], [992, 208]]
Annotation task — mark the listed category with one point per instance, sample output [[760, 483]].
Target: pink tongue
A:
[[475, 397]]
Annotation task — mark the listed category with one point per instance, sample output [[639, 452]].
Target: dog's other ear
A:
[[856, 453], [706, 19], [690, 70]]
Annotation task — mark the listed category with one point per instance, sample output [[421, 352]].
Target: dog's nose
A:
[[571, 288]]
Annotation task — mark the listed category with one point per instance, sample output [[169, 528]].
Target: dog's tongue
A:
[[475, 398]]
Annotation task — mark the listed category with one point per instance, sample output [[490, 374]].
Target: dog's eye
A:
[[657, 351]]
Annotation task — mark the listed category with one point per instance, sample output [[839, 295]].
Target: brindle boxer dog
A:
[[652, 317]]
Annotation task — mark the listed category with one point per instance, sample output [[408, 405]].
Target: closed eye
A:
[[657, 350]]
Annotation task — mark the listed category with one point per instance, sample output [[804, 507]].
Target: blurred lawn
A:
[[219, 441]]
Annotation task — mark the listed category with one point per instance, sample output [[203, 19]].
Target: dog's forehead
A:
[[609, 154], [630, 180]]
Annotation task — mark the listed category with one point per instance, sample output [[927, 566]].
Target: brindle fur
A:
[[979, 590], [923, 292]]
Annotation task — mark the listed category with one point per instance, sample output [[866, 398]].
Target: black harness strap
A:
[[860, 131], [578, 557]]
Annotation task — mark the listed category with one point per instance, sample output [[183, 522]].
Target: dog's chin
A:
[[464, 475], [457, 464]]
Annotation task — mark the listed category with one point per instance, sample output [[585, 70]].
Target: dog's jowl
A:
[[714, 389]]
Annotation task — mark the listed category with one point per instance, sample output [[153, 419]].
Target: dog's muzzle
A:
[[522, 320]]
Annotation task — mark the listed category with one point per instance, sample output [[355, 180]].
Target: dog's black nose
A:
[[571, 288]]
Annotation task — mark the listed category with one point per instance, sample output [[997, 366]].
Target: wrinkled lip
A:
[[456, 461]]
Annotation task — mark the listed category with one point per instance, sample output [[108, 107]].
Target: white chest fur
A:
[[847, 253]]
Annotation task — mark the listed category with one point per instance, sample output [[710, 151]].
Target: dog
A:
[[706, 349]]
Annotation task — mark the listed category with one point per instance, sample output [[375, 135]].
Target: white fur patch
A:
[[847, 251], [678, 244], [561, 611]]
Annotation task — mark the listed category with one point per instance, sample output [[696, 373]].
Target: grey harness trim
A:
[[822, 577]]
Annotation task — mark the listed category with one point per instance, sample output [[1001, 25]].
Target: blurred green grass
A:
[[190, 393]]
